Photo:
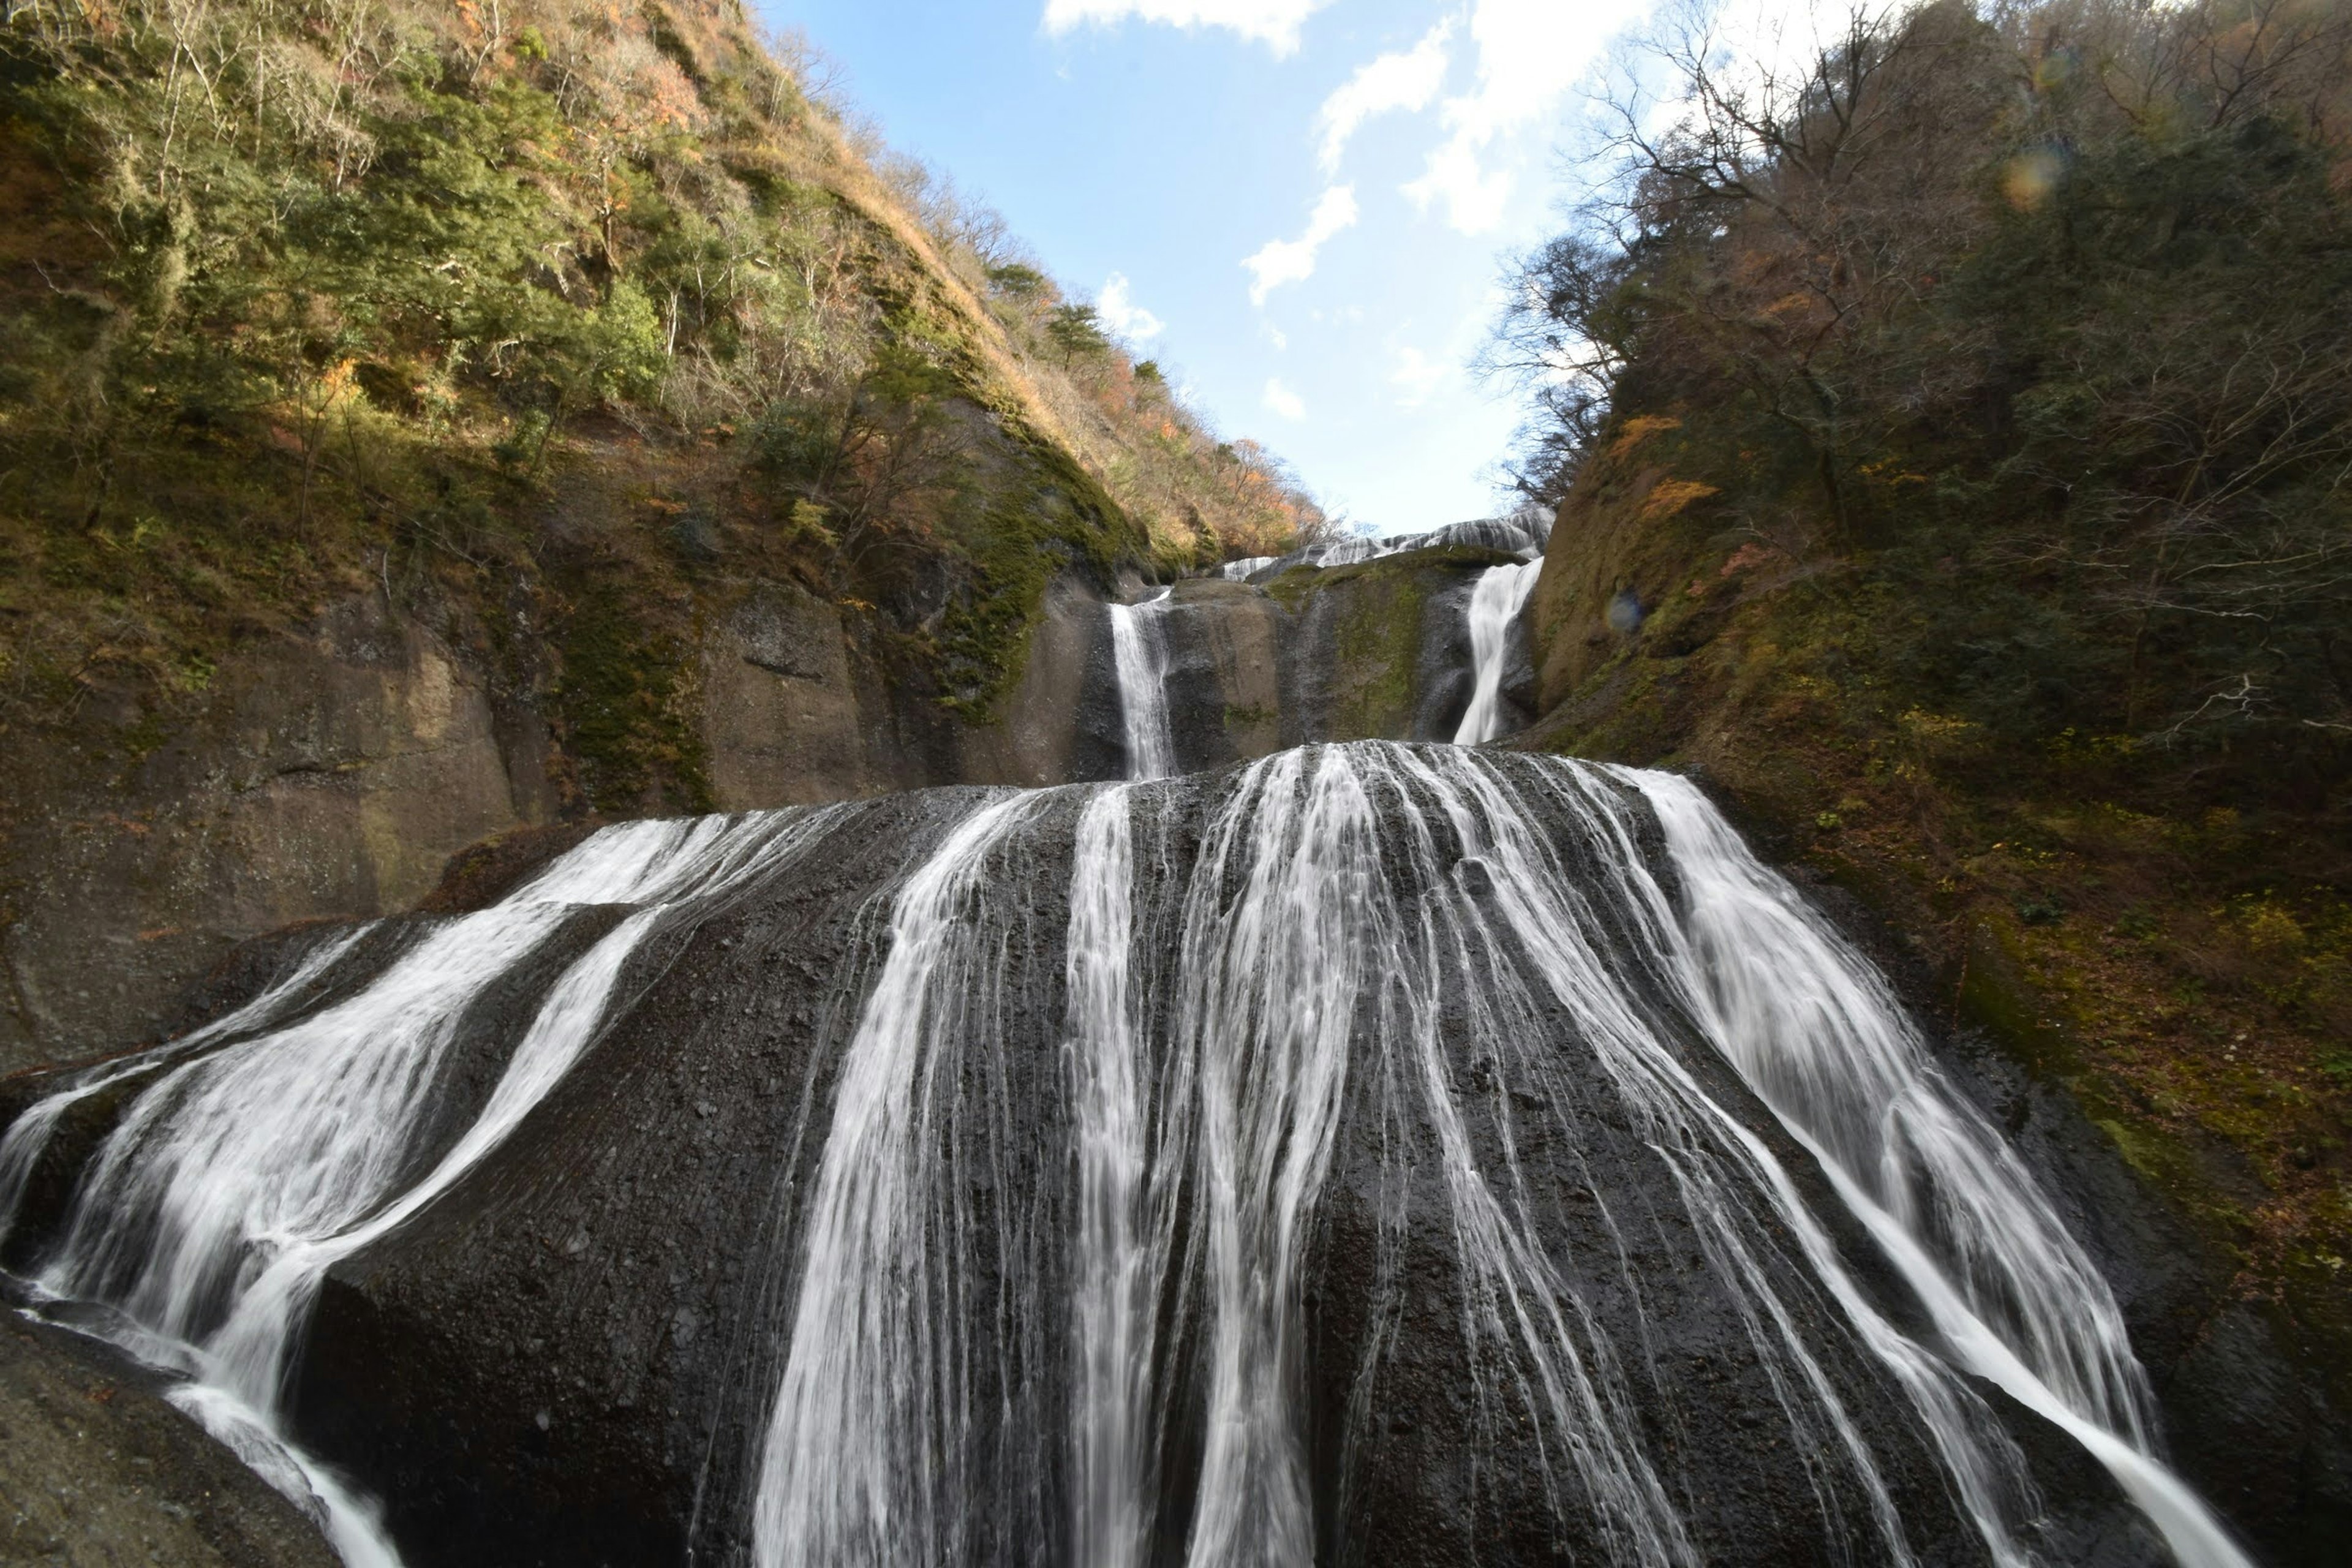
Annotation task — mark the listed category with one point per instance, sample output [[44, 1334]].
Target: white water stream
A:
[[1140, 638], [1138, 645], [850, 1473], [1297, 934], [1817, 1034], [229, 1186], [1122, 1255], [1496, 601], [28, 1136]]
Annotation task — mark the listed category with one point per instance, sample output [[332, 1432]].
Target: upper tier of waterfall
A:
[[1376, 1153], [1495, 605], [1422, 640], [1138, 640], [1526, 530]]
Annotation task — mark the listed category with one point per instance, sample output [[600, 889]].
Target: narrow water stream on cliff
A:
[[1496, 603], [1138, 641], [1371, 1148]]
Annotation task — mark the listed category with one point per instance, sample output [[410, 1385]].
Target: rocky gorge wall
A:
[[331, 775]]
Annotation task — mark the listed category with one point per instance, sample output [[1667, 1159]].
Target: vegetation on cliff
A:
[[535, 316], [1955, 438]]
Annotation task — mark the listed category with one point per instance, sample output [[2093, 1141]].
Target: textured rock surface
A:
[[333, 778], [1061, 723], [781, 712], [96, 1470], [330, 777], [570, 1359]]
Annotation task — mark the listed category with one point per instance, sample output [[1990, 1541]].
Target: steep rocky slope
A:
[[97, 1469], [790, 1226]]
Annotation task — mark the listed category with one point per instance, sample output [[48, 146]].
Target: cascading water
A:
[[1139, 642], [1496, 601], [1378, 889], [27, 1138], [1318, 699], [2013, 1296], [211, 1214], [1375, 1153], [1119, 1276]]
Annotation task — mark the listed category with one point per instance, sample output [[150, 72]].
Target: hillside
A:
[[1952, 442], [419, 421]]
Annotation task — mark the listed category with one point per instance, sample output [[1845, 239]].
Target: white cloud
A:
[[1530, 52], [1281, 400], [1273, 23], [1293, 260], [1416, 376], [1474, 197], [1123, 315], [1407, 79]]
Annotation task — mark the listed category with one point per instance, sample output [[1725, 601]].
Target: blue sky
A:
[[1307, 200]]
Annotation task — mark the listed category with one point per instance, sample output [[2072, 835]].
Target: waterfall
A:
[[28, 1136], [1496, 601], [212, 1211], [1139, 642], [1391, 914], [1116, 1280], [852, 1472], [1374, 1152], [1840, 1064]]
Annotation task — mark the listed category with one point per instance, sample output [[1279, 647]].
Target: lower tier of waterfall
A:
[[1375, 1154]]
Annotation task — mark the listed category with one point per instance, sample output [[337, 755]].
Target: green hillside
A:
[[527, 316]]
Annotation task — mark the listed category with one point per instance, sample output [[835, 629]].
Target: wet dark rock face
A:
[[565, 1360], [571, 1358], [96, 1469]]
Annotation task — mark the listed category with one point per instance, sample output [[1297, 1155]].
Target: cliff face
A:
[[334, 774], [1372, 650], [418, 423]]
